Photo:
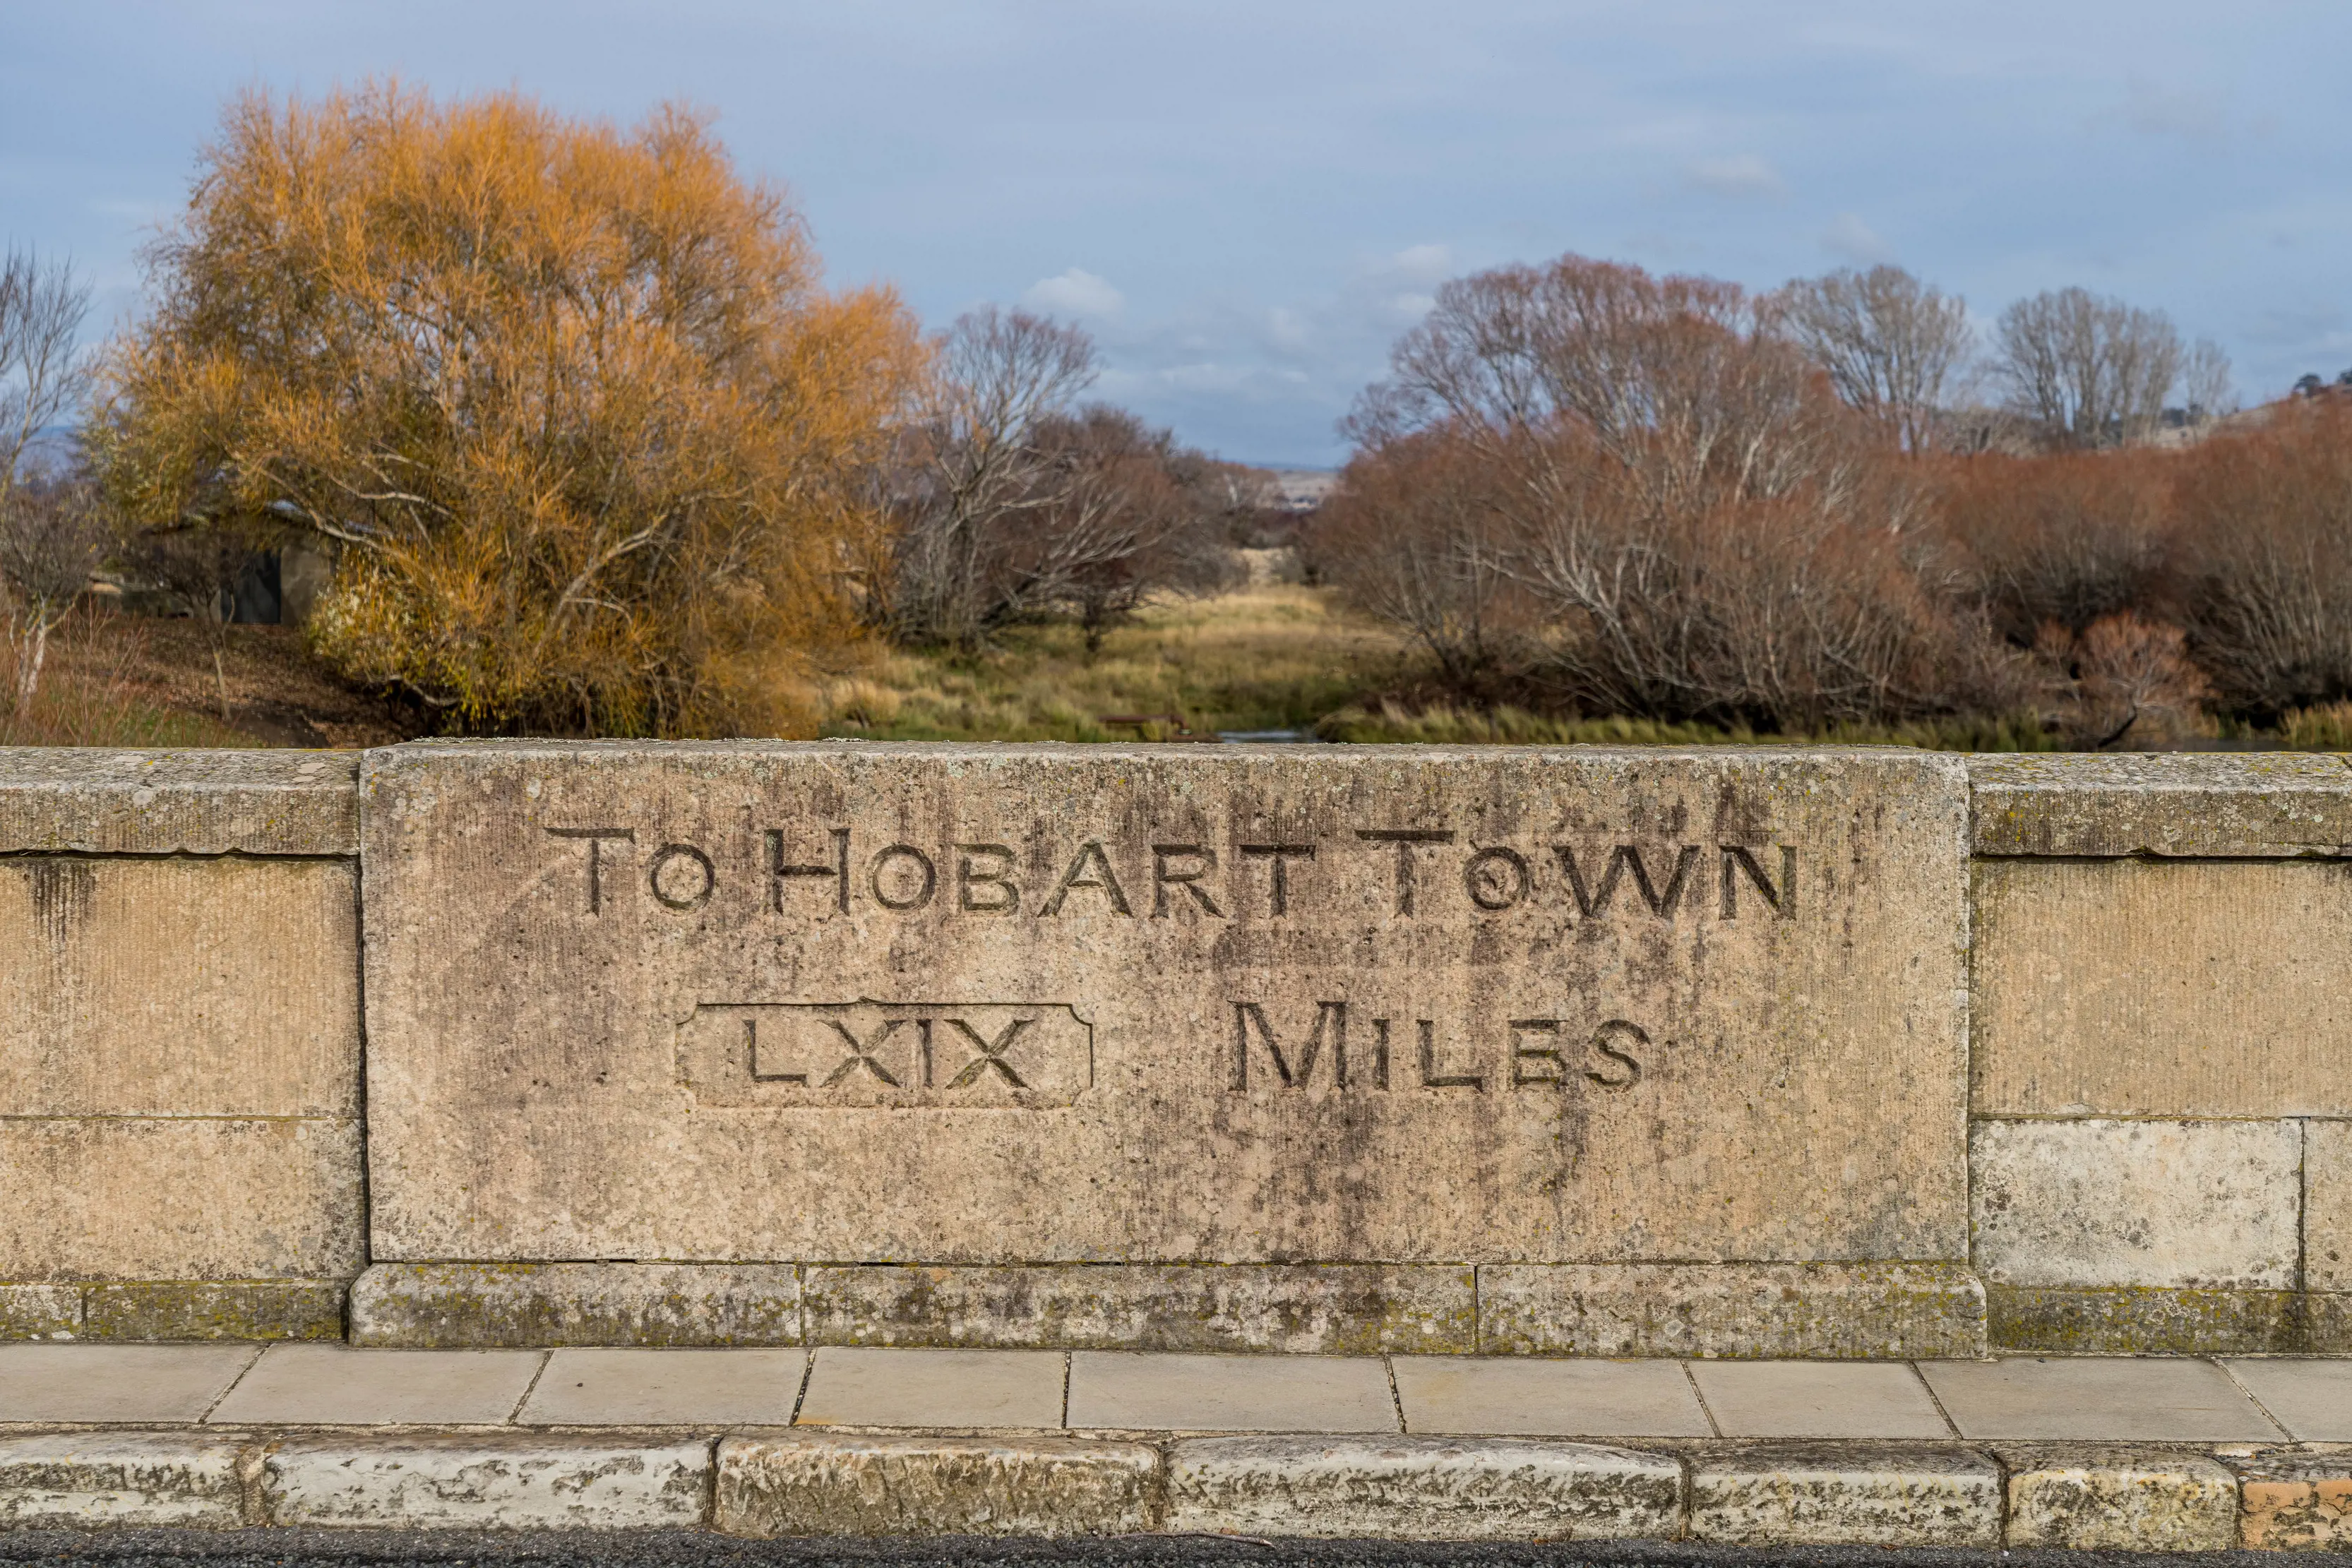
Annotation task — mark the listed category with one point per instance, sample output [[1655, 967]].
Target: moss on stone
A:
[[2145, 1320], [213, 1310]]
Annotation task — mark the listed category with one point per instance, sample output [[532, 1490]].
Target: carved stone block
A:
[[838, 1003]]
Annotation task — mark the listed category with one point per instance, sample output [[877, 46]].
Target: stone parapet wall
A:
[[1837, 1052], [179, 1024], [2160, 1151]]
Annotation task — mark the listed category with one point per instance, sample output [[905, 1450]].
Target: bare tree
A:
[[1122, 514], [974, 463], [1644, 496], [2091, 372], [42, 374], [2205, 383], [52, 531], [198, 566], [1416, 533], [1892, 345]]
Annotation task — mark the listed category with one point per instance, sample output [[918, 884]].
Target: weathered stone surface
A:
[[2144, 1320], [137, 1198], [40, 1312], [2295, 1501], [70, 800], [1834, 1310], [1422, 1489], [2328, 1205], [2327, 1323], [125, 1480], [488, 1482], [214, 1309], [610, 1046], [2197, 1205], [1845, 1494], [179, 988], [2146, 989], [425, 1304], [1316, 1310], [2092, 1498], [2171, 803], [795, 1484]]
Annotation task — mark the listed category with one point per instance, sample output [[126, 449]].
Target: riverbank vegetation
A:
[[570, 437]]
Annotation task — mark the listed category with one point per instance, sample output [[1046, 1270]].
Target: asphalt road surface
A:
[[690, 1549]]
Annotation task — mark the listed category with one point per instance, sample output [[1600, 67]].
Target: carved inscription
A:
[[1424, 873], [869, 1055], [1404, 1054]]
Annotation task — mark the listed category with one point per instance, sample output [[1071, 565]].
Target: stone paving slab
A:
[[1818, 1399], [1129, 1391], [850, 1386], [330, 1385], [1510, 1395], [126, 1383], [2097, 1399], [2311, 1399], [2133, 1397], [660, 1387]]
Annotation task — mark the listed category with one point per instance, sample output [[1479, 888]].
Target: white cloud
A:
[[1287, 329], [1077, 292], [1743, 174], [1850, 237], [1422, 263]]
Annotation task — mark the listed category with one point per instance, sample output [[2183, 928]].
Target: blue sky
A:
[[1246, 201]]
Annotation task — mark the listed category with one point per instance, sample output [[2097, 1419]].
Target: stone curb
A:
[[793, 1483]]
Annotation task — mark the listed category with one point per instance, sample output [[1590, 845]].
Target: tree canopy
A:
[[593, 442]]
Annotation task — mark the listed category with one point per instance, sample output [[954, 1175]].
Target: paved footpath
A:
[[2140, 1454]]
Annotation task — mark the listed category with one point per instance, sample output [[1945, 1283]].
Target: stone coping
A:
[[2264, 805], [89, 800], [92, 800]]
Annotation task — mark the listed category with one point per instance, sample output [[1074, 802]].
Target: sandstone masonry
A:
[[1834, 1052]]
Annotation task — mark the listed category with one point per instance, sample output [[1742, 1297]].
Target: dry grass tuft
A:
[[1446, 725], [1274, 656], [91, 694]]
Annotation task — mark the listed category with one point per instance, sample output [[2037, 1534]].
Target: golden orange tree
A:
[[588, 438]]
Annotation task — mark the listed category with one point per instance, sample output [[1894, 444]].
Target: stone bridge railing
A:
[[1838, 1052]]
